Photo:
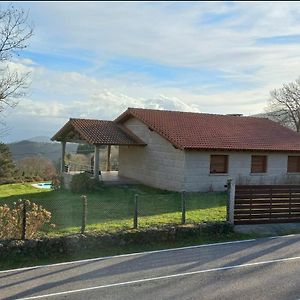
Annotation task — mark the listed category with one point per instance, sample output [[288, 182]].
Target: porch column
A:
[[63, 152], [96, 163], [108, 158]]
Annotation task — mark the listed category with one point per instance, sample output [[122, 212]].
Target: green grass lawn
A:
[[112, 208]]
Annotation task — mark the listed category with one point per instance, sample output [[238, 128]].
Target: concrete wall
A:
[[198, 177], [158, 164]]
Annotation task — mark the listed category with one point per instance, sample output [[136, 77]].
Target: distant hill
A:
[[40, 139], [50, 150]]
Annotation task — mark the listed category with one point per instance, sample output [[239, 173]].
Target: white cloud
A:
[[165, 33], [17, 66], [70, 94], [57, 96], [170, 36], [173, 34], [31, 108]]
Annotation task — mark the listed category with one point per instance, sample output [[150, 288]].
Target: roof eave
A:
[[127, 114], [240, 150], [121, 144], [56, 136]]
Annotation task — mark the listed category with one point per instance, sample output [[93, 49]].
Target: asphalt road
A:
[[255, 269]]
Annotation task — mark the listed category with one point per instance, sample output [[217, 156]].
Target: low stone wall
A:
[[68, 245]]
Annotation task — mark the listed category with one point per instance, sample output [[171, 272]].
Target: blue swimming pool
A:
[[42, 185]]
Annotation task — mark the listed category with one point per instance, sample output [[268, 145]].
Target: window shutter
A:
[[258, 164], [218, 164], [293, 164]]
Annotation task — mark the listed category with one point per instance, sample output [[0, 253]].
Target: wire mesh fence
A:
[[110, 210]]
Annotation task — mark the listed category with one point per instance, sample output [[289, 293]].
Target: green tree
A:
[[7, 167]]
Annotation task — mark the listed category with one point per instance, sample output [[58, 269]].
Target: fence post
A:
[[23, 237], [135, 217], [84, 213], [230, 200], [183, 207]]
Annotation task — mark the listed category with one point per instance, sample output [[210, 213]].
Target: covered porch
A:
[[97, 133]]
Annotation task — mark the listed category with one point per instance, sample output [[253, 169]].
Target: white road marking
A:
[[141, 253], [163, 277], [126, 255]]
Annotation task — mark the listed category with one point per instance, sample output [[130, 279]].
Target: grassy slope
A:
[[112, 208]]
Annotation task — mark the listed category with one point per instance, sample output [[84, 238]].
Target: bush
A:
[[7, 167], [57, 182], [11, 220], [82, 183]]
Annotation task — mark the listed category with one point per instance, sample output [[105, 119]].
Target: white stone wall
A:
[[198, 177], [158, 164]]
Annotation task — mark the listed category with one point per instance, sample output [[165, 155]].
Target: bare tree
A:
[[36, 168], [284, 105], [15, 32]]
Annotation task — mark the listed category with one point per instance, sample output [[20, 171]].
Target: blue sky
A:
[[95, 59]]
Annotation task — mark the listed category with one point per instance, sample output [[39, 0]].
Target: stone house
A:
[[179, 151]]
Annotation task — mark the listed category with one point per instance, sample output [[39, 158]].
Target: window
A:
[[218, 164], [293, 164], [258, 164]]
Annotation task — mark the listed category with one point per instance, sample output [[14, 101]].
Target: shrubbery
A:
[[82, 183], [78, 243], [57, 182], [36, 168], [11, 220], [7, 167]]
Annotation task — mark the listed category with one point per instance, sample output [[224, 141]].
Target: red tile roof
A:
[[187, 130], [98, 132]]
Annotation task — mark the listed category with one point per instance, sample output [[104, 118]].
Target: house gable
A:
[[158, 164]]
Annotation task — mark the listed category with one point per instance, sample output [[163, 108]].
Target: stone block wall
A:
[[158, 164], [198, 177]]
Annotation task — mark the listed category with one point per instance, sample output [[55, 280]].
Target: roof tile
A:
[[99, 132], [187, 130]]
